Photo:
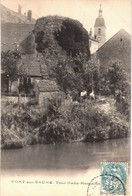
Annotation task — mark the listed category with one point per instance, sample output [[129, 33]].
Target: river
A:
[[59, 170], [73, 156]]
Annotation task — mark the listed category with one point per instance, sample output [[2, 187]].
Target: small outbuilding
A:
[[47, 90]]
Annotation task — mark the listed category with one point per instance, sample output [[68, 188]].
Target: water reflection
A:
[[66, 156]]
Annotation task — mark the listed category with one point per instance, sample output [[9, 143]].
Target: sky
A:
[[117, 13]]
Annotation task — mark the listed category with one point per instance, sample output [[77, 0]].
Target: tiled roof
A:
[[47, 85], [13, 34], [30, 68], [32, 65], [116, 48]]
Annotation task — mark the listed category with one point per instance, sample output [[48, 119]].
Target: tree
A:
[[66, 77], [9, 64], [91, 74], [76, 74], [116, 77], [73, 38]]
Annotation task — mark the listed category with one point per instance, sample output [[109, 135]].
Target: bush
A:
[[82, 121], [123, 105], [26, 125]]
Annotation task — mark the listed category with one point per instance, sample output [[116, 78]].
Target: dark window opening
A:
[[25, 81], [99, 31]]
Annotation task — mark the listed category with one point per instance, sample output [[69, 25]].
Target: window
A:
[[25, 81], [99, 31], [29, 80]]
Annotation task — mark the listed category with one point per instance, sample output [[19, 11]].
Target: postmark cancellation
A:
[[114, 178]]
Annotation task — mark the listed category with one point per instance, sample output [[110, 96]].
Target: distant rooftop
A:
[[116, 48], [9, 16], [14, 34]]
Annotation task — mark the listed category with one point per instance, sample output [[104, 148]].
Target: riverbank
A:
[[90, 121]]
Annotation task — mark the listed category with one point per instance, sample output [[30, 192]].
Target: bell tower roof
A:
[[100, 20]]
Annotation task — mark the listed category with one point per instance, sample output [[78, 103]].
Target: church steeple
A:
[[100, 28], [100, 11]]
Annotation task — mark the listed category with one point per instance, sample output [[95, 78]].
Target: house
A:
[[47, 90], [32, 66], [29, 71]]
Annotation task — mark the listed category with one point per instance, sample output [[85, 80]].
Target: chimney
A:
[[90, 33], [19, 9], [29, 15]]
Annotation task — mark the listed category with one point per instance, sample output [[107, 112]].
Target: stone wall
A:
[[15, 99]]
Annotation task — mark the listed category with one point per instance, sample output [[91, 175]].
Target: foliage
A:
[[116, 77], [65, 47], [27, 125], [66, 77], [58, 48], [9, 64], [56, 33], [91, 74], [73, 38], [85, 122], [123, 101], [114, 81], [77, 74]]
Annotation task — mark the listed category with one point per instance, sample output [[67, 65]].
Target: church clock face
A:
[[99, 38]]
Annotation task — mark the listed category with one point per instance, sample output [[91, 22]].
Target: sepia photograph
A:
[[65, 97]]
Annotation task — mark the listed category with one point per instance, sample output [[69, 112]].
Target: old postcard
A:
[[65, 97]]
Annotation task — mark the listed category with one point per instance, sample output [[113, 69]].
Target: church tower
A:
[[100, 29]]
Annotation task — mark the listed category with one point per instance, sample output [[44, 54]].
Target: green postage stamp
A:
[[113, 178]]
